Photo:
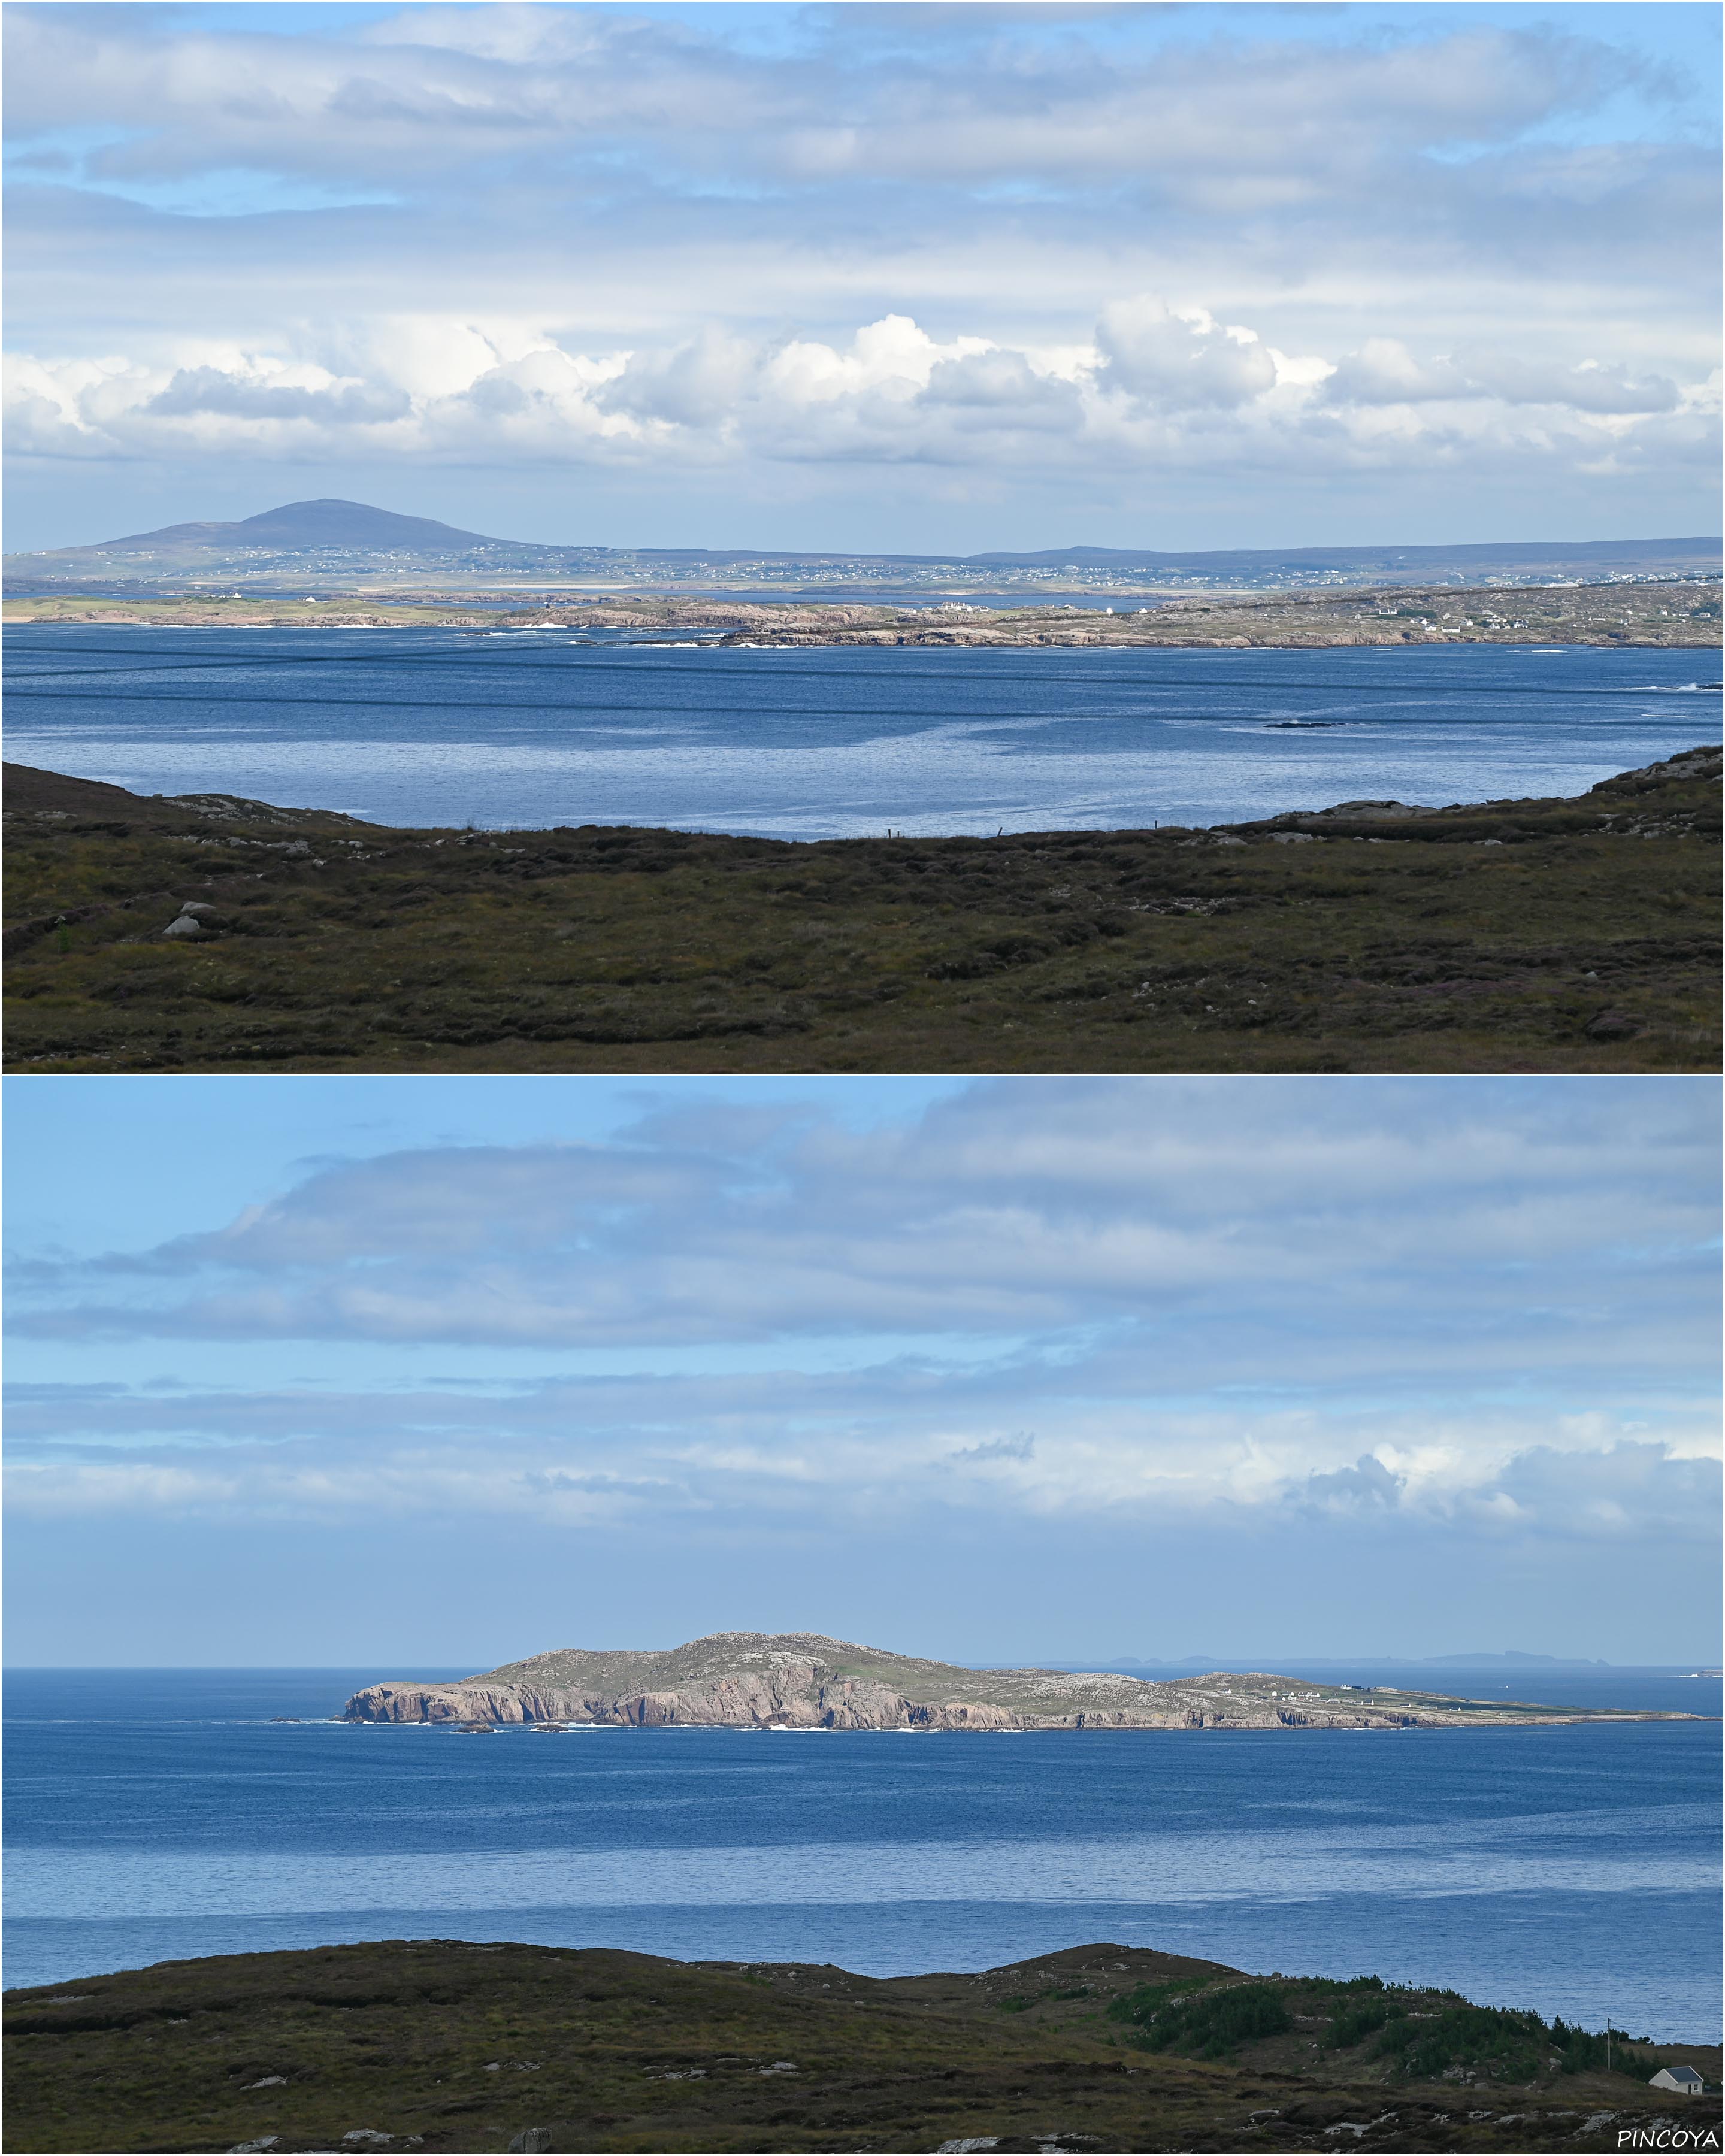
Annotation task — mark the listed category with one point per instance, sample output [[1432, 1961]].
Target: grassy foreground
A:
[[1548, 935], [450, 2046]]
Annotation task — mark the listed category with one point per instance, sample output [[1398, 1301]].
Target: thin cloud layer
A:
[[1471, 1311], [884, 1443], [1001, 1215], [1224, 122]]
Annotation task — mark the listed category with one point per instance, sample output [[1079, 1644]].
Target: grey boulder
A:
[[196, 917]]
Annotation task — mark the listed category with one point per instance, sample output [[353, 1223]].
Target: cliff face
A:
[[800, 1681], [805, 1698]]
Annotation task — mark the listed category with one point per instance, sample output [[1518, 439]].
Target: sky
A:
[[431, 1373], [913, 277]]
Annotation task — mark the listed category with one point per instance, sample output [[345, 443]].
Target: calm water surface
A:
[[536, 728], [157, 1814]]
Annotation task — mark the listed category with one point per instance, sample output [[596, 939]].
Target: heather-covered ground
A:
[[1539, 935], [449, 2045]]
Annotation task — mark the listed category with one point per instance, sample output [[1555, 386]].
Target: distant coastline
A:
[[1633, 614], [331, 546]]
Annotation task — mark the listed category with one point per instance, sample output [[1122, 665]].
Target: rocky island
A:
[[804, 1680]]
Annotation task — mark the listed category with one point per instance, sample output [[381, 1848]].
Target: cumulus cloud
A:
[[1150, 385], [1182, 358], [1588, 387], [1368, 1484], [695, 385], [195, 390], [1383, 371]]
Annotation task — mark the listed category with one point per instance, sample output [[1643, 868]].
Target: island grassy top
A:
[[449, 2045], [1541, 935]]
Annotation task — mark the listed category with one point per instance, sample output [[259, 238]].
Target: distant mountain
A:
[[300, 525], [334, 542]]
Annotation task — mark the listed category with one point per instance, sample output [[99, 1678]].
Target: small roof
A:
[[1687, 2076]]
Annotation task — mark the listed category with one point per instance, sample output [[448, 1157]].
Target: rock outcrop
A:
[[802, 1681]]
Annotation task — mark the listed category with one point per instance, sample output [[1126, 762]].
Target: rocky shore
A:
[[804, 1680]]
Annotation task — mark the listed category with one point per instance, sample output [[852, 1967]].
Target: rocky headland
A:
[[804, 1680]]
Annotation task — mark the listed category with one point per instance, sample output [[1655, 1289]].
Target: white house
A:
[[1684, 2080]]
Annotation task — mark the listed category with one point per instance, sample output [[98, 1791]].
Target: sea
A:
[[155, 1814], [533, 728]]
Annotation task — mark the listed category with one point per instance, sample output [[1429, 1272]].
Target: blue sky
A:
[[902, 276], [436, 1372]]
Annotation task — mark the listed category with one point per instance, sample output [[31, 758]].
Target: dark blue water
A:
[[534, 728], [157, 1814]]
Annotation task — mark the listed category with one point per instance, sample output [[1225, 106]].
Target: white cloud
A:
[[1384, 371], [1233, 122], [1175, 359], [872, 1445], [1588, 387], [1157, 386]]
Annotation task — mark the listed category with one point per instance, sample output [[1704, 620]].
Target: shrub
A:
[[1355, 2023], [1169, 2018], [1497, 2043]]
